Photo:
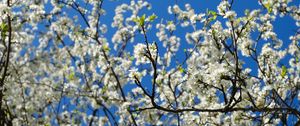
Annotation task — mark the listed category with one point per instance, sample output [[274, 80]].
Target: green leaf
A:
[[170, 22], [214, 17], [183, 103], [142, 20], [214, 14], [163, 72], [136, 20], [213, 32], [181, 70], [269, 7], [152, 17], [104, 89], [71, 76], [131, 58], [238, 20], [105, 48], [159, 82], [283, 71], [4, 29]]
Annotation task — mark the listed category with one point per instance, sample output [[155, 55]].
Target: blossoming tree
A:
[[58, 66]]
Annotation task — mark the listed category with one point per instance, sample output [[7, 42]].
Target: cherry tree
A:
[[58, 65]]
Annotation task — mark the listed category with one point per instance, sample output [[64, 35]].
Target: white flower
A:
[[139, 53], [170, 10], [176, 9], [230, 14], [171, 27], [222, 7], [246, 45]]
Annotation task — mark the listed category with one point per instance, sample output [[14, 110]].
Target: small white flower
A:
[[230, 14]]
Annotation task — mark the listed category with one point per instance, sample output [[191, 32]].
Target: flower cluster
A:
[[63, 63]]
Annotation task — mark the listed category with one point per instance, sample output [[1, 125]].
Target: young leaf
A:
[[104, 89], [283, 71], [213, 32], [131, 58], [71, 76], [170, 22], [142, 20], [181, 70], [183, 103], [152, 17], [105, 48], [136, 20], [213, 13], [269, 7], [4, 27]]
